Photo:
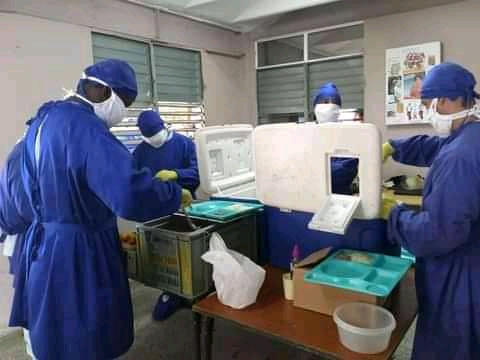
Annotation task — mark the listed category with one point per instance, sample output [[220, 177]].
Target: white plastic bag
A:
[[237, 279]]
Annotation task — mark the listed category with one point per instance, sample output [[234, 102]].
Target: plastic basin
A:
[[364, 328]]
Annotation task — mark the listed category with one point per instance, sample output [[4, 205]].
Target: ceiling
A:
[[237, 15]]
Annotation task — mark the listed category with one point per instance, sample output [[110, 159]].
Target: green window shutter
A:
[[136, 53], [281, 90], [178, 75], [347, 74]]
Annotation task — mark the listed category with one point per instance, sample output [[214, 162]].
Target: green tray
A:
[[221, 210], [360, 271]]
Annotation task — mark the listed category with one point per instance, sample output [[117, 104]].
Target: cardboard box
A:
[[323, 298]]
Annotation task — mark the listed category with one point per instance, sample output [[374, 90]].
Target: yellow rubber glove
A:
[[167, 175], [388, 203], [187, 199], [387, 151]]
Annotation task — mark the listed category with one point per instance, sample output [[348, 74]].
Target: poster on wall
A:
[[405, 70]]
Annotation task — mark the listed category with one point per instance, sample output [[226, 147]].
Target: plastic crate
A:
[[169, 252], [130, 262]]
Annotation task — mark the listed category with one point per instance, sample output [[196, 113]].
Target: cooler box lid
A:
[[225, 159], [335, 215], [292, 166]]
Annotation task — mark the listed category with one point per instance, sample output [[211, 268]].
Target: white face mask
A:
[[112, 110], [442, 123], [327, 112], [158, 139]]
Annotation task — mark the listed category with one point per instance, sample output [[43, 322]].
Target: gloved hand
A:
[[187, 199], [387, 151], [167, 175], [388, 203]]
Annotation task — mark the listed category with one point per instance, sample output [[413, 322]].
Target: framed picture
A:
[[405, 70]]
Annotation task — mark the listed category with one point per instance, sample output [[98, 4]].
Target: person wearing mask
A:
[[444, 235], [71, 288], [327, 104], [172, 157], [168, 154], [17, 208]]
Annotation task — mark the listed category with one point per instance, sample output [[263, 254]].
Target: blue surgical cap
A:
[[117, 74], [449, 80], [150, 123], [328, 91]]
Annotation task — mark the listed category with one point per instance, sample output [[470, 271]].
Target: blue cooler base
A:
[[285, 229]]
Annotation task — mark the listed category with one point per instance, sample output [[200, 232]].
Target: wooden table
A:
[[274, 317]]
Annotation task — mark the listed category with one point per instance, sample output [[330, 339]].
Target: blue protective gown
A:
[[176, 154], [445, 238], [14, 203], [72, 290], [344, 171]]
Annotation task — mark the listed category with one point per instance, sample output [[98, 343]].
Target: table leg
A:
[[209, 327], [197, 335]]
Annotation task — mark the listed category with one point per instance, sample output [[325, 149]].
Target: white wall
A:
[[126, 18], [35, 68], [220, 70]]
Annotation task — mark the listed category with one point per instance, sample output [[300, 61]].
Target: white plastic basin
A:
[[364, 328]]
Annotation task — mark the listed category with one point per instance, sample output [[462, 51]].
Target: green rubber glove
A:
[[388, 203], [167, 175], [387, 151], [187, 199]]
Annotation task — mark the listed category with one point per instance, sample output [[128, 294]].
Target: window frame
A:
[[306, 46], [306, 62], [127, 132]]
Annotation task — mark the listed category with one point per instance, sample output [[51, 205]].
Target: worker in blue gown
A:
[[14, 207], [71, 288], [327, 103], [445, 235], [172, 157], [10, 174]]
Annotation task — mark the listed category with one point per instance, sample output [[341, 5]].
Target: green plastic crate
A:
[[169, 252]]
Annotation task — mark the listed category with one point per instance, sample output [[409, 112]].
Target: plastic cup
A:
[[288, 286]]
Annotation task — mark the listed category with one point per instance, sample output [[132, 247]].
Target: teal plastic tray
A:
[[221, 210], [407, 255], [360, 271]]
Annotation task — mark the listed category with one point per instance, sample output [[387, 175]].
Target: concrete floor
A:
[[172, 339]]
